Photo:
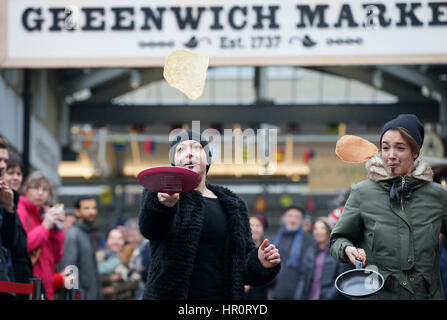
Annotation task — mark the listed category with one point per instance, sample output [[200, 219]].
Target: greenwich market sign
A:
[[141, 33]]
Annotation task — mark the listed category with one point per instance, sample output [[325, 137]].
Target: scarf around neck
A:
[[295, 252]]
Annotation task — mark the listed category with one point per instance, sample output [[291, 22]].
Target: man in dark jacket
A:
[[7, 216], [7, 224], [79, 248], [201, 241], [297, 249], [21, 269]]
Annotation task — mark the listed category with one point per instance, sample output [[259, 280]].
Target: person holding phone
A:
[[7, 216], [20, 263], [43, 225]]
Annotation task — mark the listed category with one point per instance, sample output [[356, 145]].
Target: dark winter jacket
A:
[[443, 264], [257, 293], [146, 254], [174, 235], [7, 239], [23, 269]]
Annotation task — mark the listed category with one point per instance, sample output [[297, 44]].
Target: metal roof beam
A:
[[104, 113]]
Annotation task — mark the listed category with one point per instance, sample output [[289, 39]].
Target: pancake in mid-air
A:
[[351, 148], [186, 71]]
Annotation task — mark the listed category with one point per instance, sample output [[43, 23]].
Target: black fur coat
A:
[[174, 235]]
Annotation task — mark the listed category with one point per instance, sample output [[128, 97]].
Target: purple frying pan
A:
[[169, 179]]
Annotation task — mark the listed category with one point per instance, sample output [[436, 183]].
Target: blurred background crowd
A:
[[49, 238]]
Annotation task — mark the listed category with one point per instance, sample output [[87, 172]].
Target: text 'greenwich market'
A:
[[236, 17]]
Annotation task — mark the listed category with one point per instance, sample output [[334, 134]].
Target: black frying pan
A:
[[359, 282]]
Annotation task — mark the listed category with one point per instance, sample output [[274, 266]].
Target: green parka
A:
[[397, 221]]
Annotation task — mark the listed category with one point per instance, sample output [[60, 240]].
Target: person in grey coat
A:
[[297, 249], [80, 248]]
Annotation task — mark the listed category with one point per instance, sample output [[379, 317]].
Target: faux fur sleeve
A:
[[154, 218]]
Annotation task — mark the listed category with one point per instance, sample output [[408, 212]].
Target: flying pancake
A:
[[186, 71], [351, 148]]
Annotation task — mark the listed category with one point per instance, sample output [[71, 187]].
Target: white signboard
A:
[[141, 33]]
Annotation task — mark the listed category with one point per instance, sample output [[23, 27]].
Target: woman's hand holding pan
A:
[[354, 253]]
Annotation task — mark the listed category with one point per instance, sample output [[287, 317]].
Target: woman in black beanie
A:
[[201, 244], [393, 219]]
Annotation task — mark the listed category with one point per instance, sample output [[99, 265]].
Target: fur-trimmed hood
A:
[[375, 170]]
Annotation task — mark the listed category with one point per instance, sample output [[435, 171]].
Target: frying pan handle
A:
[[358, 264]]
